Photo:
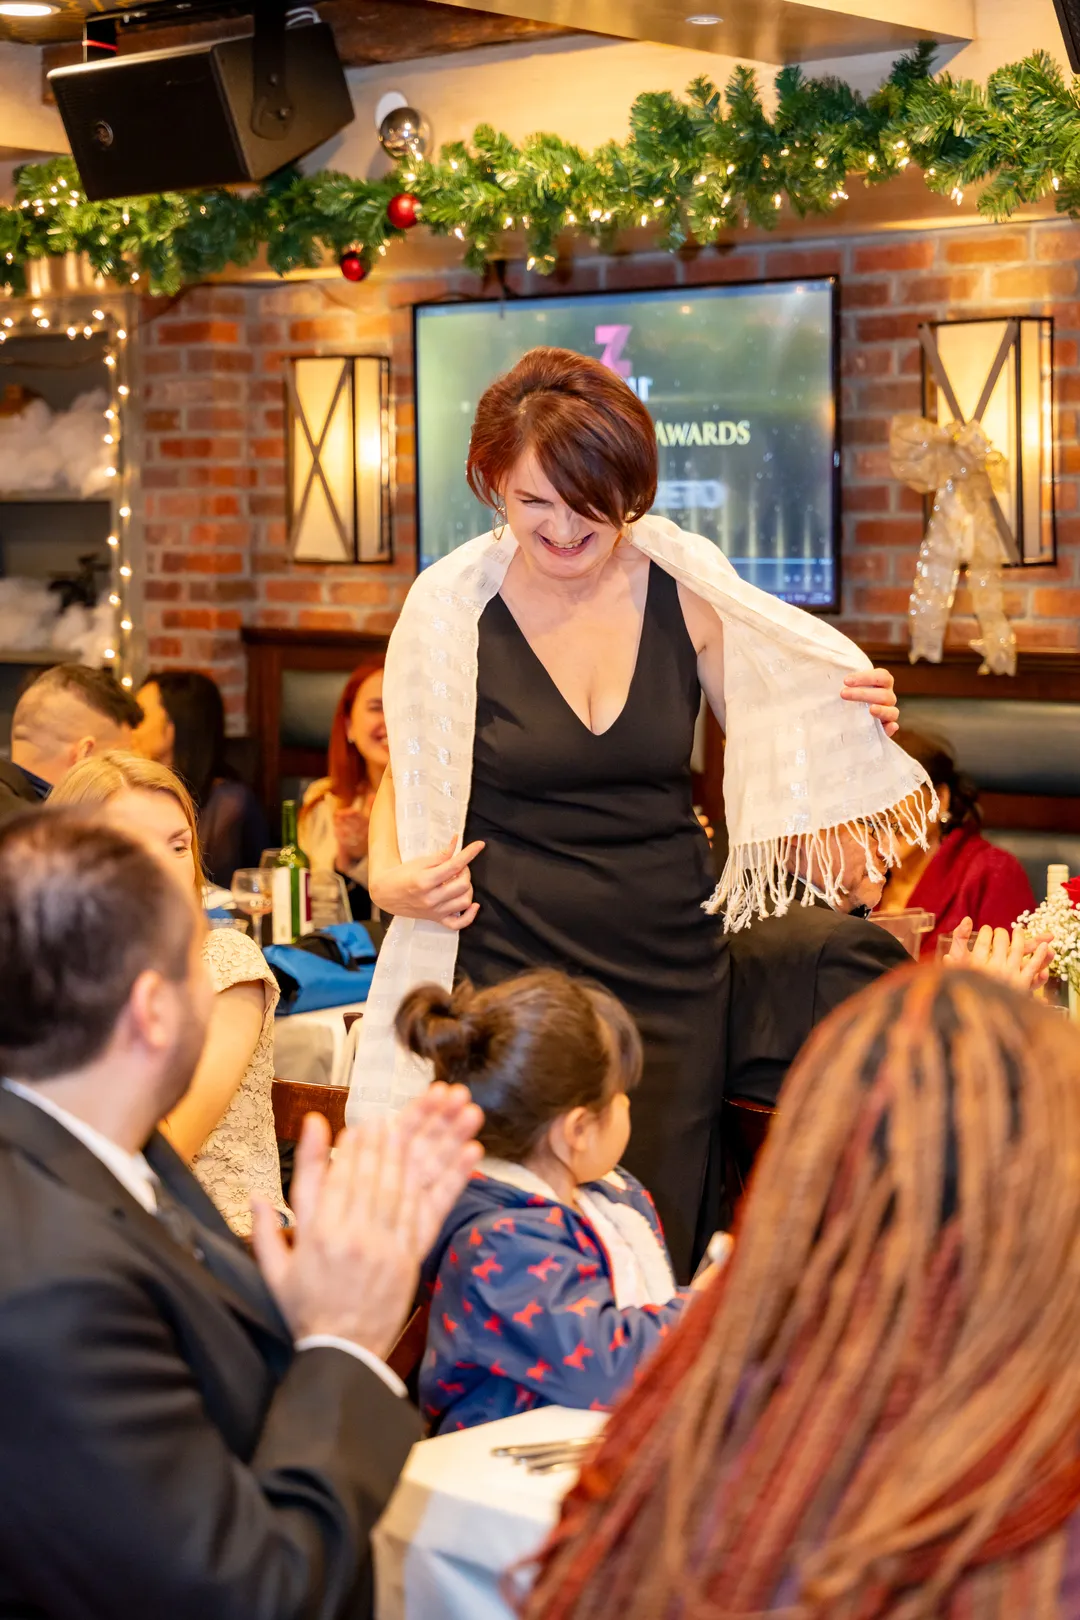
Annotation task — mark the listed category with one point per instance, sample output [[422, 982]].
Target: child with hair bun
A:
[[550, 1282]]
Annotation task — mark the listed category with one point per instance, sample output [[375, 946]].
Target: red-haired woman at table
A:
[[336, 813]]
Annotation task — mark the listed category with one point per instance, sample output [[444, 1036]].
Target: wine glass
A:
[[329, 899], [252, 889]]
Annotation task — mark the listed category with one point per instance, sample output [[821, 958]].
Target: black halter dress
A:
[[596, 863]]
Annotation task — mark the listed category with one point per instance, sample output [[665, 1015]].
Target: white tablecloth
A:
[[314, 1047], [461, 1518]]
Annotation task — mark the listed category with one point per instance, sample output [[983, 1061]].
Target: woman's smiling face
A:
[[554, 540]]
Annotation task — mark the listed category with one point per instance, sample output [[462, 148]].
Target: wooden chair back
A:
[[408, 1352], [292, 1100]]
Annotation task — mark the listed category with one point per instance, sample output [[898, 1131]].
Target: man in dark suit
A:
[[68, 713], [184, 1435], [789, 972]]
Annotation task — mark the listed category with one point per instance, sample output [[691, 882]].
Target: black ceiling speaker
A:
[[201, 115], [1068, 12]]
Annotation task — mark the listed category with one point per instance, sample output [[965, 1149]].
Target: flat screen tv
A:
[[740, 381]]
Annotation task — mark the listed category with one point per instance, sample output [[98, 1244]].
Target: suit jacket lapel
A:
[[45, 1140], [229, 1260]]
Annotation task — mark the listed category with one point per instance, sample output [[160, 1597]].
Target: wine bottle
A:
[[291, 884]]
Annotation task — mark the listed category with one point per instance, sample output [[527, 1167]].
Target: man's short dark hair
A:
[[98, 689], [83, 911]]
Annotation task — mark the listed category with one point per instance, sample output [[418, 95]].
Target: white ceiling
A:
[[757, 30]]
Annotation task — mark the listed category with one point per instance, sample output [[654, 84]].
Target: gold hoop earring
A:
[[499, 527]]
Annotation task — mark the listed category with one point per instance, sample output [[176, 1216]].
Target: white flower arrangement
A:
[[1059, 916]]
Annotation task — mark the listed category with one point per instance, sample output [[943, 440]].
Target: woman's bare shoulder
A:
[[702, 621]]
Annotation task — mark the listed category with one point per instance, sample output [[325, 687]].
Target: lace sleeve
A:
[[240, 1156], [234, 958]]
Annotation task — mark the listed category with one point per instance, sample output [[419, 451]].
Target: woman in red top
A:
[[960, 873]]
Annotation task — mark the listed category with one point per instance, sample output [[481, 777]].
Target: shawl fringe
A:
[[763, 877]]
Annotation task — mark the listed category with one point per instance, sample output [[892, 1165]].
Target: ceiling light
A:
[[26, 8], [704, 19]]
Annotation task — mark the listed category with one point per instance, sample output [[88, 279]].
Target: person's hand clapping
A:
[[874, 687], [351, 826], [366, 1217], [1020, 960], [433, 888]]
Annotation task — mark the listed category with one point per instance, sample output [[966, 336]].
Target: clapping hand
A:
[[351, 831], [366, 1217], [875, 687], [1020, 960]]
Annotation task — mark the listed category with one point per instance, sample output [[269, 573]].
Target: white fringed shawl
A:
[[799, 760]]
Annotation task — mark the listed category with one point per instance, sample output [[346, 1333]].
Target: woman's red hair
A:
[[347, 766], [591, 434]]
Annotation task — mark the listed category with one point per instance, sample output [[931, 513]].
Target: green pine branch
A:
[[693, 165]]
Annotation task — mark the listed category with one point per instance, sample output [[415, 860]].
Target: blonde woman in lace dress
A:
[[224, 1126]]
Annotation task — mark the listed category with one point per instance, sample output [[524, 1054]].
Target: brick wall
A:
[[213, 412]]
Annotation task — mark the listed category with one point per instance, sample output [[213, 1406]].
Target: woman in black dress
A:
[[582, 849]]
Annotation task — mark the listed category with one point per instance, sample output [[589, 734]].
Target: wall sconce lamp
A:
[[1000, 373], [339, 459]]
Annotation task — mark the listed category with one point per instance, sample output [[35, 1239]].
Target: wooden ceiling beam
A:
[[367, 32]]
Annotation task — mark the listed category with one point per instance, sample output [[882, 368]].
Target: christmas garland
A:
[[695, 166]]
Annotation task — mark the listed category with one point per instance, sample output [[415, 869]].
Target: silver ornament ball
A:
[[405, 133]]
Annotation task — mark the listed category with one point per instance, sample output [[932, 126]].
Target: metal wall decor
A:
[[999, 374], [339, 446]]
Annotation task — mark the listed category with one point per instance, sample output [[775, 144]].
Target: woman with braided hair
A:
[[875, 1412]]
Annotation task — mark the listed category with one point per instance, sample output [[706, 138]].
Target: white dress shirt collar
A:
[[130, 1169]]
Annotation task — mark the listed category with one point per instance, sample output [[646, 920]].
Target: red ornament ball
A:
[[402, 210], [352, 266]]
